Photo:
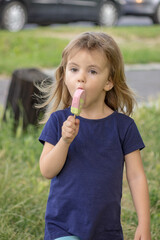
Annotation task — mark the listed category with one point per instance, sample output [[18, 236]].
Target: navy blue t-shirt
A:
[[85, 197]]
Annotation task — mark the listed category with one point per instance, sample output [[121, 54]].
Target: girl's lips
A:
[[80, 88]]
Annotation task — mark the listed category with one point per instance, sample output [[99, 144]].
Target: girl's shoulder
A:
[[124, 119], [129, 134], [124, 123], [60, 115]]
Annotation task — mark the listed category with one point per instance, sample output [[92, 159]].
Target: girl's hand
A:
[[142, 234], [70, 129]]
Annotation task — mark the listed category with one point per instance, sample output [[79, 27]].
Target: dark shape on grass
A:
[[21, 96]]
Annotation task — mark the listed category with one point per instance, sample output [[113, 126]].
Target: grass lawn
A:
[[24, 192], [42, 47]]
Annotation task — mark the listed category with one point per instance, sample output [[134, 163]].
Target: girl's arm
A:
[[139, 190], [53, 158]]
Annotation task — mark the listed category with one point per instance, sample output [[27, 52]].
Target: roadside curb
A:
[[143, 78], [142, 67], [128, 67]]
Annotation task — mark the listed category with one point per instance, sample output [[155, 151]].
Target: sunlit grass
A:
[[24, 192], [42, 47], [147, 118]]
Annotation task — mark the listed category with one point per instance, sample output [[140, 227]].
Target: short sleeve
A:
[[49, 133], [132, 140]]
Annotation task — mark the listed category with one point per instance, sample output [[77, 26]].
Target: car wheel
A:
[[108, 14], [14, 16], [156, 17]]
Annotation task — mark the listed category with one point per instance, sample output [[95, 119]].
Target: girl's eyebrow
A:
[[89, 66], [94, 66], [73, 63]]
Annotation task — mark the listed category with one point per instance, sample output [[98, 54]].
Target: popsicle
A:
[[77, 102]]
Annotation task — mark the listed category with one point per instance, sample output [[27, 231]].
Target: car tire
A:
[[108, 14], [14, 16], [156, 17]]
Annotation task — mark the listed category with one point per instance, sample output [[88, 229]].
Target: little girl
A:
[[85, 156]]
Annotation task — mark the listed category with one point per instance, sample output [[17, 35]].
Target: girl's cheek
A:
[[69, 77]]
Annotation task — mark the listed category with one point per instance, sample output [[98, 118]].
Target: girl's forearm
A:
[[140, 194], [52, 158], [52, 163]]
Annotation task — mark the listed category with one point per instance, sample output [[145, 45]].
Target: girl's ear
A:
[[109, 85]]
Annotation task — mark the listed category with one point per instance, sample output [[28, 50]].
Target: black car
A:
[[15, 13], [149, 8]]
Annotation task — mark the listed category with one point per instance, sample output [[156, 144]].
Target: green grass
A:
[[29, 51], [42, 47], [147, 118], [24, 192]]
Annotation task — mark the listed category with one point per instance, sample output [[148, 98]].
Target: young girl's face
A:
[[88, 70]]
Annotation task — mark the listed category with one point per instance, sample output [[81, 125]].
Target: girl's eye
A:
[[93, 72], [74, 69]]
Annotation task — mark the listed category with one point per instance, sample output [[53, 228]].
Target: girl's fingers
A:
[[70, 129]]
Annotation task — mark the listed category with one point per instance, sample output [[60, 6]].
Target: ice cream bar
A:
[[77, 101]]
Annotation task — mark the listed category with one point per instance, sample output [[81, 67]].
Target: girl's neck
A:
[[98, 113]]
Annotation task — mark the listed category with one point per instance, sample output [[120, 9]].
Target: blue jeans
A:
[[68, 238]]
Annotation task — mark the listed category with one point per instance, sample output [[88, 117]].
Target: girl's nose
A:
[[81, 78]]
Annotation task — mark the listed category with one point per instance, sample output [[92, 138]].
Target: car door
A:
[[44, 10], [78, 10]]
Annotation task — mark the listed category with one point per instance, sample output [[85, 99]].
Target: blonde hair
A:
[[119, 98]]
